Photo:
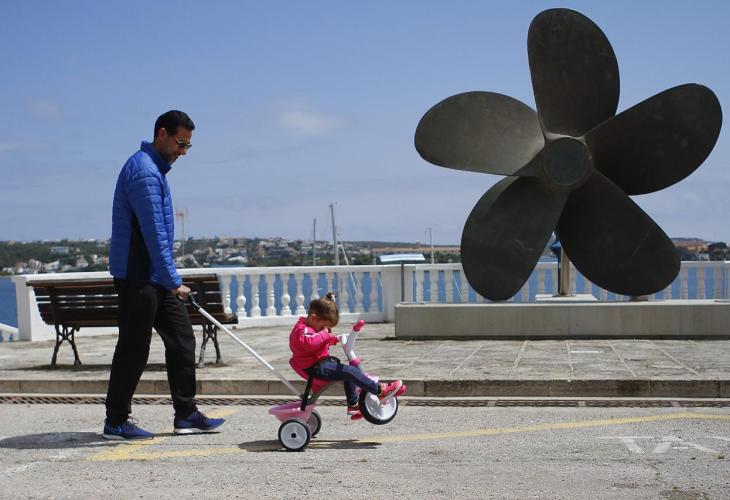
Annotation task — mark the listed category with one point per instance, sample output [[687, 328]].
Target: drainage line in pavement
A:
[[30, 399]]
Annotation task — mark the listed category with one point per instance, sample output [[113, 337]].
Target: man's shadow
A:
[[56, 441], [102, 367]]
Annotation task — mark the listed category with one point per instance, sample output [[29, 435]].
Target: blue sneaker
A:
[[128, 430], [196, 422]]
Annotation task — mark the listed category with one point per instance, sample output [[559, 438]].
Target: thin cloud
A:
[[303, 121], [43, 108], [20, 146]]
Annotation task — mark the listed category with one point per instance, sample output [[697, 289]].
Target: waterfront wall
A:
[[273, 296]]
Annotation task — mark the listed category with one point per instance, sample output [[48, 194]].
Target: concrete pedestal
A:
[[660, 319]]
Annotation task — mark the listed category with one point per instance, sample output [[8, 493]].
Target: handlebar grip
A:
[[358, 326], [191, 299]]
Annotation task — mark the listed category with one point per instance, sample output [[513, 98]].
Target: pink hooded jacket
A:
[[307, 346]]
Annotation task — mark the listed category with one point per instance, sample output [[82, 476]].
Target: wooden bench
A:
[[70, 305]]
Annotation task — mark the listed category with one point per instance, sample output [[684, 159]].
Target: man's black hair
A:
[[171, 120]]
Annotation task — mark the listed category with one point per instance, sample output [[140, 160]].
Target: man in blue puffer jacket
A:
[[148, 285]]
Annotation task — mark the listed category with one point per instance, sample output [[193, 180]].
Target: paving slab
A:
[[432, 368]]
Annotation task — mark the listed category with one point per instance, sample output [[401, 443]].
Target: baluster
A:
[[668, 292], [269, 280], [285, 298], [525, 292], [540, 281], [358, 293], [701, 282], [449, 282], [255, 309], [329, 283], [572, 288], [683, 285], [603, 295], [226, 289], [241, 299], [463, 286], [373, 306], [299, 293], [554, 277], [419, 285], [344, 298], [315, 286], [717, 283]]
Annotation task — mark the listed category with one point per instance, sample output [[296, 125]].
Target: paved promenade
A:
[[431, 368]]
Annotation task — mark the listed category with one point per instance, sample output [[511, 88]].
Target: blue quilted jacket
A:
[[143, 224]]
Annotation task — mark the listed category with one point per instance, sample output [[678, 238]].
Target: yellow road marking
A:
[[135, 451], [130, 451], [547, 427]]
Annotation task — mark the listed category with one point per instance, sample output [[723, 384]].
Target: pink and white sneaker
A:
[[391, 390], [354, 412]]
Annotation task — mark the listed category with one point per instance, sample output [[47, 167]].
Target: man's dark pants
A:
[[142, 307]]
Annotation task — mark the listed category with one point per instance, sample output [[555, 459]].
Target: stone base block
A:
[[660, 319]]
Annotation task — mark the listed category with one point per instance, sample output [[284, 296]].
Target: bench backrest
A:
[[79, 303]]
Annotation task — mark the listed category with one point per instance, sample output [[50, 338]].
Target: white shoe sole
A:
[[194, 431], [114, 437]]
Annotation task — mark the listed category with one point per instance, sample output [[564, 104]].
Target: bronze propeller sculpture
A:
[[571, 164]]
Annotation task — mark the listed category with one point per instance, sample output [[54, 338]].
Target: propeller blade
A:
[[613, 242], [506, 232], [480, 132], [574, 72], [658, 142]]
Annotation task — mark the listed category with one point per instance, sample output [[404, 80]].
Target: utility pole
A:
[[181, 214], [334, 235], [314, 242], [430, 239]]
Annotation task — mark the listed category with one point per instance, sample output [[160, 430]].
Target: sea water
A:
[[7, 302]]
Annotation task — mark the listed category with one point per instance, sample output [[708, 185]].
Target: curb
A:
[[613, 388]]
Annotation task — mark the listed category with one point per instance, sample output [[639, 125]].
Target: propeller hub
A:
[[566, 161]]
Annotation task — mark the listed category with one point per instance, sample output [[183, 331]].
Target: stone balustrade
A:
[[275, 296]]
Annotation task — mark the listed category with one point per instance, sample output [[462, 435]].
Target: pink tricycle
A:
[[300, 422]]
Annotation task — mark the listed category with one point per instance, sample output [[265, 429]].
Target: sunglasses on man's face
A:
[[183, 144]]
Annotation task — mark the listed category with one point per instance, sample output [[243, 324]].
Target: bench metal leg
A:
[[201, 358], [210, 332], [218, 357], [65, 333]]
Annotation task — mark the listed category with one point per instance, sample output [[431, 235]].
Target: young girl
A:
[[310, 341]]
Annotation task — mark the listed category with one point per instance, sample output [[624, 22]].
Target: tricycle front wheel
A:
[[376, 411]]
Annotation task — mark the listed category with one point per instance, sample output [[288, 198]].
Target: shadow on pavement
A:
[[55, 440], [105, 367], [275, 446]]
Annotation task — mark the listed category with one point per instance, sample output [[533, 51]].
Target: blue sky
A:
[[302, 104]]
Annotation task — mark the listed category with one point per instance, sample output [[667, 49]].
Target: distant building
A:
[[60, 250], [717, 251]]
